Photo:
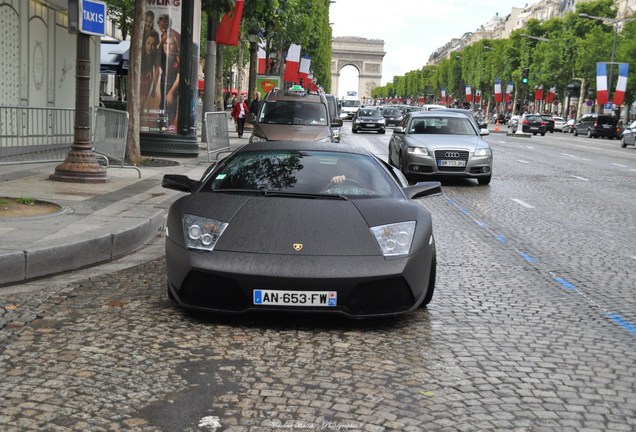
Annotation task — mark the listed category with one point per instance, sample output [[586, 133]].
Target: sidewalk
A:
[[98, 222]]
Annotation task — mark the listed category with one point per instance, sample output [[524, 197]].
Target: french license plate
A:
[[534, 128], [451, 163], [370, 125], [295, 298]]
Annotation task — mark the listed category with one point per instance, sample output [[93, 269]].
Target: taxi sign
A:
[[92, 17]]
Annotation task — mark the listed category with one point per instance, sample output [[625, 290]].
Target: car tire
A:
[[431, 281], [484, 181], [623, 143], [534, 133], [589, 133], [575, 133], [354, 130], [382, 131], [169, 293], [402, 170], [543, 134]]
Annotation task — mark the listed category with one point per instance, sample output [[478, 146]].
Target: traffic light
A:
[[524, 75]]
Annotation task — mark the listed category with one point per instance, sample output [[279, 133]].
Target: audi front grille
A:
[[452, 155]]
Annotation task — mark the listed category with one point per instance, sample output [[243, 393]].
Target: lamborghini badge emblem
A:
[[298, 247]]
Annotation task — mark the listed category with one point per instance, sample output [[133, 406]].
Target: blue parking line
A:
[[623, 322], [463, 210], [567, 285], [480, 223], [451, 201], [501, 238], [527, 257]]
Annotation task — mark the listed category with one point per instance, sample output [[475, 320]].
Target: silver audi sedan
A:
[[440, 144]]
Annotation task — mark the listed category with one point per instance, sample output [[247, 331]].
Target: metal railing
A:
[[217, 133], [34, 135], [109, 138], [38, 135]]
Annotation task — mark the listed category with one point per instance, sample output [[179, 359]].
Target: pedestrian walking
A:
[[255, 106], [239, 114]]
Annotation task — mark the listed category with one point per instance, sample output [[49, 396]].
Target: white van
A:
[[349, 105]]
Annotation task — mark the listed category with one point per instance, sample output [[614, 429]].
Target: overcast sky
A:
[[411, 29]]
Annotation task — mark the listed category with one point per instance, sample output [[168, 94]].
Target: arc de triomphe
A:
[[364, 54]]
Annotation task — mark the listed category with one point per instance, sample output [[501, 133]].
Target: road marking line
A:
[[618, 319], [522, 161], [580, 178], [528, 257], [619, 165], [567, 285], [501, 238], [570, 155], [526, 205]]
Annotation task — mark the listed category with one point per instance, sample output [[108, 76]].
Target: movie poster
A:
[[160, 67]]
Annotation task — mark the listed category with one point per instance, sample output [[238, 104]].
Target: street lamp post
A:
[[253, 38], [615, 22]]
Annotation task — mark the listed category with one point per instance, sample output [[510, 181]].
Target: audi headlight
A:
[[480, 152], [418, 151], [255, 138], [202, 233], [395, 239]]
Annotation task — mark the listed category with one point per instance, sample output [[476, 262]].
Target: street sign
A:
[[92, 19]]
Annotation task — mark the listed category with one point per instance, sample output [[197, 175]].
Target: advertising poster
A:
[[160, 67], [266, 83]]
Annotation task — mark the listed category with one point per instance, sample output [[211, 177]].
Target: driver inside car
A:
[[351, 179]]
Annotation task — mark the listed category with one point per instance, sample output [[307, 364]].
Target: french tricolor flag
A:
[[509, 91], [497, 90], [291, 64], [601, 83], [303, 70], [621, 84], [469, 95], [444, 95], [262, 61]]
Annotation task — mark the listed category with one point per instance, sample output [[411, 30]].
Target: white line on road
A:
[[522, 161], [525, 204], [580, 178], [619, 165], [570, 155]]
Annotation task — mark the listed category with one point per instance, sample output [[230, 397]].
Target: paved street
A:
[[531, 327]]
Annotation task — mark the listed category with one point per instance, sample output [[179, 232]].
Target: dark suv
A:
[[596, 125]]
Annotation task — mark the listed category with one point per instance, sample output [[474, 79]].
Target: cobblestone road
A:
[[502, 346]]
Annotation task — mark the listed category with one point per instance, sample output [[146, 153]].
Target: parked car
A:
[[440, 143], [368, 119], [293, 115], [530, 123], [629, 135], [549, 122], [598, 125], [570, 126], [392, 116], [334, 113], [269, 228], [559, 122], [512, 121]]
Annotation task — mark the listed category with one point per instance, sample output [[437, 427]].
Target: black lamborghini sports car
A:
[[306, 227]]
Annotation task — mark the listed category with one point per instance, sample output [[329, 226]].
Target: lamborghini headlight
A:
[[395, 239], [202, 233]]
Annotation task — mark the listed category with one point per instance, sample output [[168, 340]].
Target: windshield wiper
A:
[[305, 195]]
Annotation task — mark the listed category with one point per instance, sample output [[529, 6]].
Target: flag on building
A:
[[303, 69], [621, 84], [538, 93], [497, 90], [228, 31], [291, 64], [509, 91], [601, 83], [469, 95], [262, 60], [550, 96], [478, 96]]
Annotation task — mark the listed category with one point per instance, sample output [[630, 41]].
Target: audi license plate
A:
[[295, 298], [451, 163]]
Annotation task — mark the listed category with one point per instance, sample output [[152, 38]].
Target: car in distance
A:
[[368, 119], [293, 115], [481, 127], [334, 114], [569, 126], [392, 116], [559, 123], [549, 122], [283, 226], [440, 144], [629, 135], [530, 123], [598, 125]]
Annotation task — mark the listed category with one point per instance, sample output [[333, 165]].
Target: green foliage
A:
[[26, 201], [572, 47]]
